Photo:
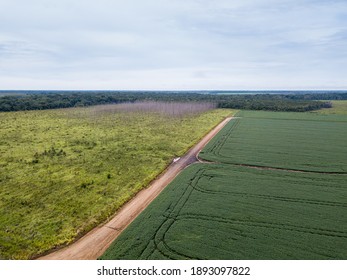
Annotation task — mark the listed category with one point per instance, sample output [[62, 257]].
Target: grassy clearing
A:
[[64, 171], [224, 211], [283, 140], [219, 212], [339, 108]]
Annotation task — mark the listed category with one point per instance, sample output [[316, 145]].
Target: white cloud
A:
[[164, 44]]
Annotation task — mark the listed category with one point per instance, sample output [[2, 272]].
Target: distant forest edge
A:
[[270, 101]]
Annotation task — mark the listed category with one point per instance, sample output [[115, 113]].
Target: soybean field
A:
[[305, 142], [275, 188]]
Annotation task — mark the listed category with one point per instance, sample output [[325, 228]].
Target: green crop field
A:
[[227, 212], [62, 172], [233, 210], [295, 141]]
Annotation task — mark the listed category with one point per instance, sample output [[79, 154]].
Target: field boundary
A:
[[261, 167], [286, 169]]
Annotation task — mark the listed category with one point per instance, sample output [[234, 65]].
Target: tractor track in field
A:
[[94, 243], [285, 169]]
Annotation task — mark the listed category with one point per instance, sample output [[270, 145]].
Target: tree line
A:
[[283, 101]]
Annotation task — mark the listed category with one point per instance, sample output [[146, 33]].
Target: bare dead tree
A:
[[172, 109]]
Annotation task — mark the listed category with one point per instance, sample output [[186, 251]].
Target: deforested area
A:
[[173, 109], [65, 171]]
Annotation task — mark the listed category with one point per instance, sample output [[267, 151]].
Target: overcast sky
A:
[[173, 44]]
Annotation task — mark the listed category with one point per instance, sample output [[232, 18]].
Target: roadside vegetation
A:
[[62, 172], [253, 202]]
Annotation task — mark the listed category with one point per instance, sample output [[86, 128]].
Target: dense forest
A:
[[272, 101]]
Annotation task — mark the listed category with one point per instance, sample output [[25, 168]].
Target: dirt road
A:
[[94, 243]]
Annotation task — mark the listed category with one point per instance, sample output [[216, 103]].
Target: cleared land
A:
[[226, 211], [94, 244], [339, 108], [65, 171]]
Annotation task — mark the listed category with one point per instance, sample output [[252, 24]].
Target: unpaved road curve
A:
[[94, 243]]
